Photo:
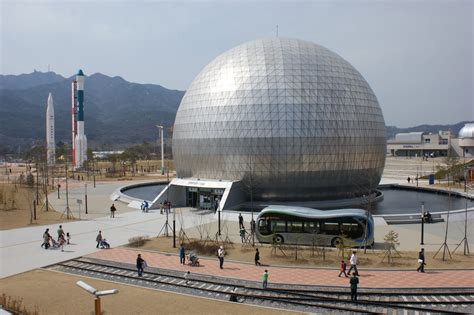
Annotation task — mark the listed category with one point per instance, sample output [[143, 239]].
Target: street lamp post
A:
[[174, 228], [422, 222], [97, 294], [162, 150], [95, 165], [219, 219], [85, 196]]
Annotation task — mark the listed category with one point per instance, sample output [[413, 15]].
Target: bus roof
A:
[[312, 213]]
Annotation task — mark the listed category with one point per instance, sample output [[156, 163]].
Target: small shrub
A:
[[14, 305], [138, 241], [203, 248]]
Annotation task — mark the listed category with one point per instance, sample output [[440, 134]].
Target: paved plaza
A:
[[20, 248], [297, 275]]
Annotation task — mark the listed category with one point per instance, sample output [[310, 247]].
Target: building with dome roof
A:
[[433, 144], [276, 120], [465, 141]]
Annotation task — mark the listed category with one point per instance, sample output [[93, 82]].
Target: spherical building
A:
[[289, 118]]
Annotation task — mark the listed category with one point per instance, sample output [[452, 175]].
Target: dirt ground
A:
[[56, 293], [304, 256], [15, 209]]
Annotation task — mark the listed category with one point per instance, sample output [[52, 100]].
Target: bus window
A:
[[331, 228], [278, 226], [264, 227], [295, 227], [311, 227], [352, 230]]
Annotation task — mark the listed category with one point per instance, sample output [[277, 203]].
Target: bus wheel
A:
[[335, 242], [279, 239]]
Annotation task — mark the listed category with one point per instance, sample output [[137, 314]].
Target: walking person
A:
[[98, 239], [242, 235], [421, 261], [220, 254], [140, 265], [265, 279], [182, 255], [353, 262], [343, 268], [241, 221], [257, 257], [354, 281], [46, 238], [60, 232], [145, 205], [68, 237], [112, 211], [62, 241]]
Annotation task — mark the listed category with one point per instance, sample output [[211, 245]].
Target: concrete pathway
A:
[[20, 249]]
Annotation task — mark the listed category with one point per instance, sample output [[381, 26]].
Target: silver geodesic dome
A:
[[290, 117]]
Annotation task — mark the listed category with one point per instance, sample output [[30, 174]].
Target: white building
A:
[[429, 144]]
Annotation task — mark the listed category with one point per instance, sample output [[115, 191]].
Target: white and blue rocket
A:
[[80, 141]]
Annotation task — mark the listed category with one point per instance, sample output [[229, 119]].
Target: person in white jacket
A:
[[353, 262], [220, 254]]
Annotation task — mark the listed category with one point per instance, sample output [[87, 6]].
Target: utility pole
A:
[[161, 128], [37, 183], [85, 196], [95, 164], [422, 222], [174, 228]]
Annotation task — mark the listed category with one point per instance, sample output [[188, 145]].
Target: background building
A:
[[433, 145]]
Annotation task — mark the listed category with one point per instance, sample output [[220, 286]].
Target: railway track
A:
[[312, 299]]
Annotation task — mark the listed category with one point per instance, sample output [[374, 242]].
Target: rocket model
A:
[[80, 141], [73, 121], [50, 143]]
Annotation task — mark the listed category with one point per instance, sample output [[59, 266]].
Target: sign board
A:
[[219, 191], [79, 201], [193, 189]]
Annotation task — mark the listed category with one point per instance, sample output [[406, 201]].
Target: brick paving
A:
[[294, 275]]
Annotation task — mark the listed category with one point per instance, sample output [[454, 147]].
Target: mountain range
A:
[[118, 113]]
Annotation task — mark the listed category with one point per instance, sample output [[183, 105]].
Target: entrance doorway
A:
[[192, 199]]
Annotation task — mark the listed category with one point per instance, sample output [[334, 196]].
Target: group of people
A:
[[65, 238], [243, 231], [49, 241], [144, 206], [354, 280], [192, 257], [165, 207]]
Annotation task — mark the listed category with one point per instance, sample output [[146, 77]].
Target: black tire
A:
[[336, 241], [279, 239]]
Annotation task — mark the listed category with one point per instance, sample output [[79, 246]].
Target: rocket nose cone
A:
[[50, 99]]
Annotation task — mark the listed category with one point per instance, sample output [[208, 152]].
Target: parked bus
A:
[[306, 226]]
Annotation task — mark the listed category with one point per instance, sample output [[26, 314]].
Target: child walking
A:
[[343, 268], [186, 276]]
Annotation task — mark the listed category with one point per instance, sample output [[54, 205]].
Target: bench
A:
[[410, 219]]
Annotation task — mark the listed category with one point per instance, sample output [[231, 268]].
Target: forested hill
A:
[[117, 112]]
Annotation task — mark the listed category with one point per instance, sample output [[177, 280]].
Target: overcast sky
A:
[[416, 55]]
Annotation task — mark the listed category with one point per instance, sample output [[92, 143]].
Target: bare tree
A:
[[250, 186], [464, 240], [391, 243]]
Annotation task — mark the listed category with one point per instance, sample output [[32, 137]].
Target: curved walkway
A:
[[294, 275]]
